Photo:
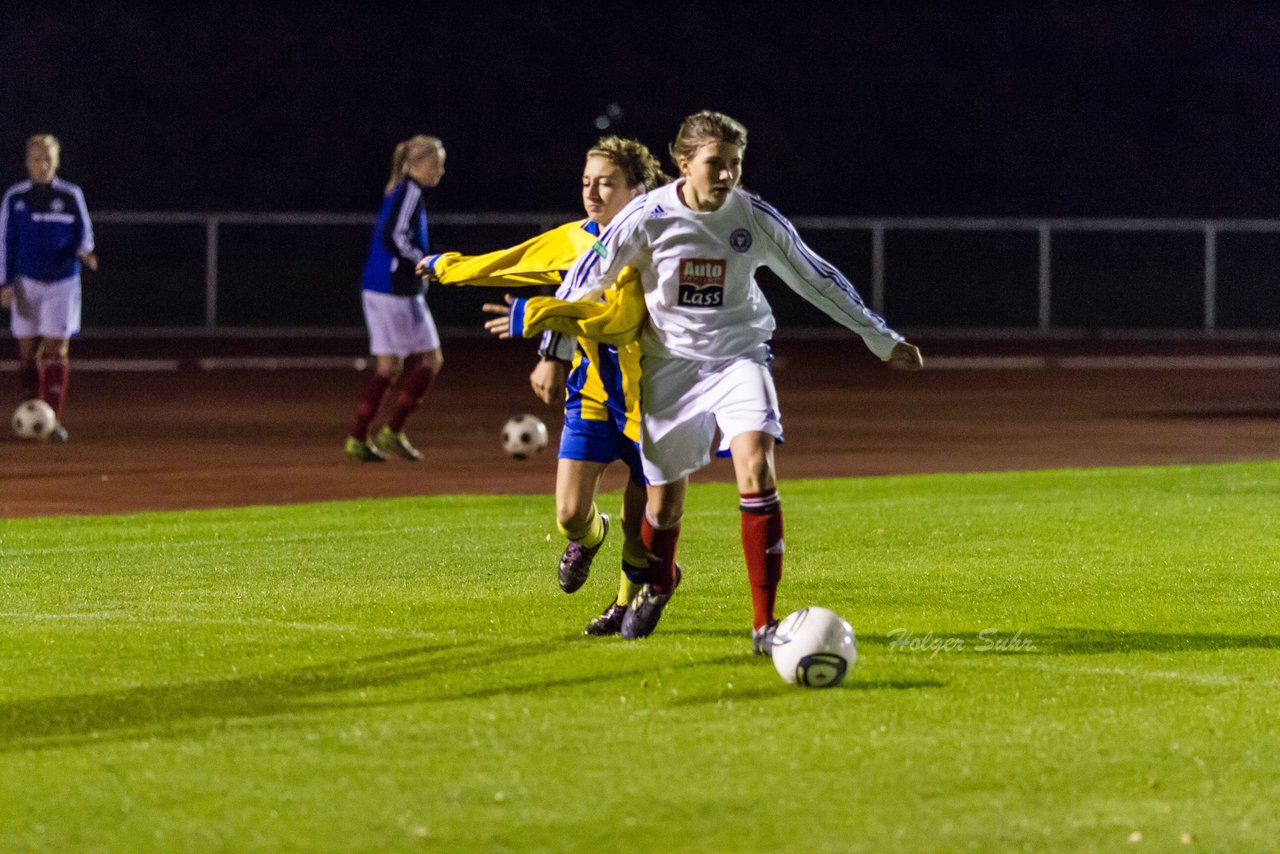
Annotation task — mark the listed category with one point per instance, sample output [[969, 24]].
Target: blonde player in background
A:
[[45, 235], [685, 255], [402, 333], [601, 410]]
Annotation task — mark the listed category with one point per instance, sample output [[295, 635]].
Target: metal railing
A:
[[877, 227]]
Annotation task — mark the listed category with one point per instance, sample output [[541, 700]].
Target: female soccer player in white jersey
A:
[[601, 407], [692, 248], [45, 235], [402, 333]]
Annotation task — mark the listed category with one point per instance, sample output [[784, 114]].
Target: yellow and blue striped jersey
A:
[[604, 382]]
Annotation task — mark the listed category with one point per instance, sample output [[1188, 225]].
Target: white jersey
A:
[[698, 270]]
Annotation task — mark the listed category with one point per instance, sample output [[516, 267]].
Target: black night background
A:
[[1038, 109]]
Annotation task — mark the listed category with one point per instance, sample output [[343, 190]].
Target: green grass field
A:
[[405, 674]]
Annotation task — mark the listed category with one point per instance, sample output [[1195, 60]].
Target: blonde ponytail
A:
[[409, 151]]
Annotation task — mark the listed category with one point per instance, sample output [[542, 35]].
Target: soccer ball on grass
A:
[[814, 647], [33, 419], [523, 436]]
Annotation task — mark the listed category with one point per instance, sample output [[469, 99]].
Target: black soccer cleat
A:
[[762, 639], [575, 563], [608, 623], [646, 609]]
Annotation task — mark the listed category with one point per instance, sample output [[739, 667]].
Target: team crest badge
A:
[[740, 240], [56, 206]]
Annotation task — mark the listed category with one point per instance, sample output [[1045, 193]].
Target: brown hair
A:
[[640, 167], [703, 127], [411, 150]]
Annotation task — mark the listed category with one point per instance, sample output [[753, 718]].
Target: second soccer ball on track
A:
[[523, 436], [33, 419], [814, 647]]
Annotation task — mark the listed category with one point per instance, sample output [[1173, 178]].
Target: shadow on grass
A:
[[178, 709], [157, 709], [773, 693], [1081, 641]]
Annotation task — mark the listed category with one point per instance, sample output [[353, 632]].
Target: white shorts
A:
[[683, 401], [399, 326], [45, 309]]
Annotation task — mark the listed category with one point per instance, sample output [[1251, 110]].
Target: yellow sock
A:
[[590, 534], [634, 555], [627, 589]]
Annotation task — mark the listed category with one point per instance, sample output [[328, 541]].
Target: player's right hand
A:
[[547, 381], [500, 323], [6, 296], [906, 356]]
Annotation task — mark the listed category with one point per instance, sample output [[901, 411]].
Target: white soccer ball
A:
[[33, 419], [814, 647], [523, 436]]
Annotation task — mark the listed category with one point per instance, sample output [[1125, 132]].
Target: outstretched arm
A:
[[819, 282], [540, 260], [617, 318]]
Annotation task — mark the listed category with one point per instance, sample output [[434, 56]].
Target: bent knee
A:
[[756, 476], [53, 349], [572, 516]]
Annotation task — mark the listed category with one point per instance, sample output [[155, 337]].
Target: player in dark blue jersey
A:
[[402, 333], [46, 236]]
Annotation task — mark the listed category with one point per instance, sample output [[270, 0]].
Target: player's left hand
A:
[[906, 356], [6, 296], [500, 324], [89, 260]]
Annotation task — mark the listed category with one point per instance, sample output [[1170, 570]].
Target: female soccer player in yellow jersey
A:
[[601, 411], [686, 255]]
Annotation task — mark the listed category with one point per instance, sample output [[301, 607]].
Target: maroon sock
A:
[[762, 546], [660, 544], [413, 387], [29, 378], [54, 377], [370, 400]]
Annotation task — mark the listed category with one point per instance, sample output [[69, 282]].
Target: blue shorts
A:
[[599, 442]]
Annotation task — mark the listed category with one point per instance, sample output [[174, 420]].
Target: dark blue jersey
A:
[[399, 242], [44, 226]]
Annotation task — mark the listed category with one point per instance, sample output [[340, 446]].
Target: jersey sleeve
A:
[[616, 318], [397, 231], [500, 269], [8, 240], [84, 224], [815, 279], [540, 260]]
